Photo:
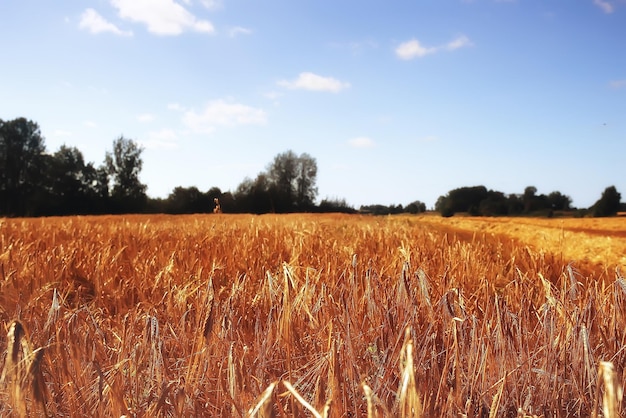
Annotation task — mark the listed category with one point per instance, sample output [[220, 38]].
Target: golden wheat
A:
[[302, 315]]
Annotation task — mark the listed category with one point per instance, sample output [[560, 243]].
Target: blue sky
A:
[[397, 100]]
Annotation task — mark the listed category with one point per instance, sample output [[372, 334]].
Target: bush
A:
[[609, 203]]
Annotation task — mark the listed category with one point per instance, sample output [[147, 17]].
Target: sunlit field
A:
[[311, 316]]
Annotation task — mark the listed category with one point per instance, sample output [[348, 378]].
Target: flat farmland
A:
[[594, 242], [311, 315]]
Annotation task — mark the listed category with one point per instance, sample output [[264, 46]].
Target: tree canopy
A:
[[291, 180], [477, 200], [75, 187], [608, 204], [288, 185], [123, 165], [22, 164], [34, 182]]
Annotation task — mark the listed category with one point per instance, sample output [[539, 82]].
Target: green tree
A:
[[609, 203], [495, 204], [184, 200], [306, 191], [292, 181], [255, 196], [515, 204], [559, 201], [529, 198], [287, 185], [124, 165], [337, 205], [444, 206], [22, 165], [72, 183], [415, 207], [463, 199], [191, 200], [281, 174]]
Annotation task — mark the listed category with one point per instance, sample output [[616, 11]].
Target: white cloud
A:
[[163, 139], [212, 4], [314, 82], [145, 117], [414, 49], [604, 5], [92, 21], [238, 30], [460, 42], [223, 113], [361, 142], [163, 17], [90, 124]]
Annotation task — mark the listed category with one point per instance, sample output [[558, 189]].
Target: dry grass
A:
[[300, 315]]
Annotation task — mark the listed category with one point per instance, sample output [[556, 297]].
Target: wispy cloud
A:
[[176, 106], [93, 22], [605, 6], [361, 142], [314, 82], [460, 42], [162, 17], [90, 124], [239, 30], [163, 139], [145, 117], [356, 47], [223, 113], [212, 4], [414, 49], [61, 133], [618, 84], [273, 95]]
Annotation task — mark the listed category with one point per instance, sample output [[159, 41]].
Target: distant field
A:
[[279, 315], [597, 242]]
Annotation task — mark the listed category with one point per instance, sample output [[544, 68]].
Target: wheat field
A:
[[306, 316]]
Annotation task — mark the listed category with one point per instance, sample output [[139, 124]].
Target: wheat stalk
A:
[[410, 404], [22, 370], [612, 394], [263, 407]]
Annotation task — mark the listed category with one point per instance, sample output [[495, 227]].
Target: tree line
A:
[[35, 182], [478, 201]]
